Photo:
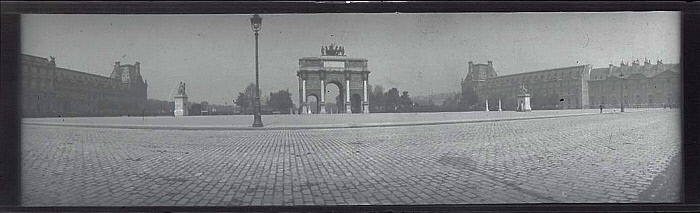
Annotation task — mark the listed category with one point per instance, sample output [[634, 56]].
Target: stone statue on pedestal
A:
[[523, 90], [181, 101], [181, 90], [523, 99]]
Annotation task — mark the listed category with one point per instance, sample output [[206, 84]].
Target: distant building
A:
[[47, 90], [577, 87], [568, 84], [647, 85]]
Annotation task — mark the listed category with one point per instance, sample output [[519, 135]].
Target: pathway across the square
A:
[[598, 158]]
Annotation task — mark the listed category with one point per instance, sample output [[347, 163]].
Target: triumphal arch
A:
[[334, 67]]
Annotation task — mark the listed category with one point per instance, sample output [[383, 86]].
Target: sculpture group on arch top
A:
[[333, 50]]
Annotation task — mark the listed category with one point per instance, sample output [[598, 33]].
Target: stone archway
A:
[[312, 105], [349, 74], [340, 99]]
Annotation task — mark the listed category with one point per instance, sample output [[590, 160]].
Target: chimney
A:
[[138, 67], [117, 66], [470, 66], [490, 64]]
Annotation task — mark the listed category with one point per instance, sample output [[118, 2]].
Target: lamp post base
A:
[[257, 121]]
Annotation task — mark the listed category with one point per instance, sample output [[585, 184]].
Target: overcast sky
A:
[[418, 53]]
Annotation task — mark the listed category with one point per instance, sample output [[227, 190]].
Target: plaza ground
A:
[[593, 158], [315, 121]]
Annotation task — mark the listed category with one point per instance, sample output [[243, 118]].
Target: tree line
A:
[[276, 102], [389, 101]]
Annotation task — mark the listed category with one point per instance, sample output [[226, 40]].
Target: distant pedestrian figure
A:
[[601, 109]]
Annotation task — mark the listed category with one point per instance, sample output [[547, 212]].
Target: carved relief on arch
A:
[[335, 77]]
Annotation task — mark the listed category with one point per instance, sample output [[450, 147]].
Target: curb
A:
[[343, 126]]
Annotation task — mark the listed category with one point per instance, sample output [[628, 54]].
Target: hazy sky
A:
[[419, 53]]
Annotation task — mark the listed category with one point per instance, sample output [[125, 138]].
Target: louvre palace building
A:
[[576, 87], [50, 91]]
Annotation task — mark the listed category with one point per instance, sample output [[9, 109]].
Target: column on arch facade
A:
[[323, 94], [348, 106], [365, 102], [304, 104]]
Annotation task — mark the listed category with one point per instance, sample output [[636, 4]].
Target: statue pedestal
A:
[[348, 108], [524, 103], [181, 105], [365, 107]]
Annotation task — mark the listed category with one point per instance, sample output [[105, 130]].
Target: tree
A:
[[281, 101], [265, 100], [405, 102], [250, 91], [196, 109], [376, 98], [249, 94], [451, 104], [392, 100], [243, 101]]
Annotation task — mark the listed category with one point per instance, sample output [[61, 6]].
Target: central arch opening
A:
[[335, 98], [312, 104]]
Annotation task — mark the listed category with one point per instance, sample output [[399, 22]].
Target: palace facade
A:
[[576, 87], [647, 85], [48, 91]]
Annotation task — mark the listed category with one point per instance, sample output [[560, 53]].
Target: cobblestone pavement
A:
[[315, 119], [596, 158]]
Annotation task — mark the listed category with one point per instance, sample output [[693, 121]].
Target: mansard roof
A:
[[667, 73], [571, 68], [599, 73], [647, 70]]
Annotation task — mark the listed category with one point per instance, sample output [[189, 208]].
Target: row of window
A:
[[638, 99], [539, 76], [601, 88], [537, 86]]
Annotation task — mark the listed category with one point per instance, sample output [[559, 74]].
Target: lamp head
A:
[[256, 22]]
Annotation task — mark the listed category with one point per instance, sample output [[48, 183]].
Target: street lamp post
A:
[[256, 23], [622, 98]]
